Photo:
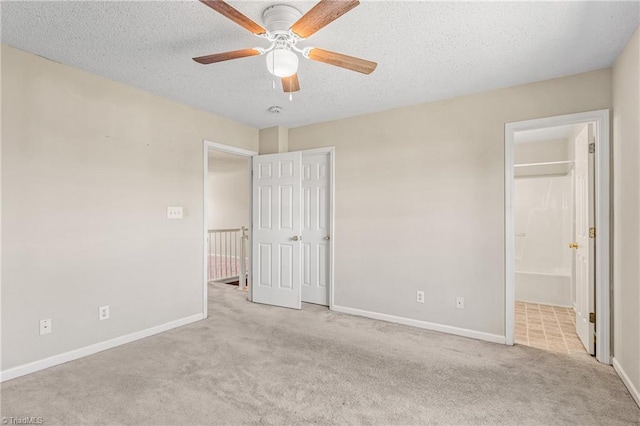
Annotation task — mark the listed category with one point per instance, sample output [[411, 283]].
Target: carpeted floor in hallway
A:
[[257, 364]]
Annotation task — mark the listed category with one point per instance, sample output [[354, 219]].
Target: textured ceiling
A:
[[425, 50]]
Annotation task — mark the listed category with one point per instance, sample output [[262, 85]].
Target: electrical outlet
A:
[[45, 326], [460, 302], [103, 312], [174, 212], [420, 296]]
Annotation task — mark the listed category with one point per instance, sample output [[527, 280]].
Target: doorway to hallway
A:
[[289, 249], [229, 213], [227, 216]]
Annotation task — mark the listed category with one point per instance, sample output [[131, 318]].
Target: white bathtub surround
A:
[[547, 289], [543, 229]]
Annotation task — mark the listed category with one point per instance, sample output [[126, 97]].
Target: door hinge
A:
[[592, 317], [592, 147], [592, 232]]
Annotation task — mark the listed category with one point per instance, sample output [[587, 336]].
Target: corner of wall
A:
[[626, 243], [283, 139], [273, 140], [626, 380]]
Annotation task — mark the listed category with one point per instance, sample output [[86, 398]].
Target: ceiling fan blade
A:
[[341, 60], [225, 56], [235, 15], [321, 15], [290, 84]]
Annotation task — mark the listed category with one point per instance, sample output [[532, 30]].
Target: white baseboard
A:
[[627, 381], [494, 338], [34, 366]]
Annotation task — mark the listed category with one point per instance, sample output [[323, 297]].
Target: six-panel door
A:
[[315, 228], [277, 267]]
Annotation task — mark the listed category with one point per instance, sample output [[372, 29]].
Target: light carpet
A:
[[255, 364]]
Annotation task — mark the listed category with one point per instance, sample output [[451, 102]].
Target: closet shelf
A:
[[543, 169]]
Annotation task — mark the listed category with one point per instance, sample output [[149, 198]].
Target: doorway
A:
[[229, 212], [551, 196], [227, 216], [557, 213], [291, 227]]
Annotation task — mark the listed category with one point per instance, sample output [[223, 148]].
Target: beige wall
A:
[[626, 210], [420, 199], [89, 167], [541, 151], [274, 140], [229, 191]]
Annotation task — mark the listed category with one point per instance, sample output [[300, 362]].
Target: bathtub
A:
[[545, 288]]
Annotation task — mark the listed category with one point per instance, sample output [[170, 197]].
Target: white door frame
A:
[[602, 197], [215, 146]]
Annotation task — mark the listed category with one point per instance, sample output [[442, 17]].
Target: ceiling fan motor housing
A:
[[279, 18]]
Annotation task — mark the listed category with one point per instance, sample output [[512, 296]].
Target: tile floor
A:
[[552, 328]]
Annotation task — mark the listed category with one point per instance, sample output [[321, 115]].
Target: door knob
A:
[[573, 245], [295, 238], [327, 238]]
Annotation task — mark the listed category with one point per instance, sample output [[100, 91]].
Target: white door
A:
[[315, 228], [277, 229], [585, 212]]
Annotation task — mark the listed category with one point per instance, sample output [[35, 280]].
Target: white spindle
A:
[[227, 261]]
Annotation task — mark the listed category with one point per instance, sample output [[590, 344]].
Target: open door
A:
[[585, 243], [277, 229], [316, 225]]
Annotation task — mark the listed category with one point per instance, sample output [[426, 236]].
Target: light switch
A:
[[174, 212]]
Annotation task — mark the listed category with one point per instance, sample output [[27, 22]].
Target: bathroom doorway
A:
[[544, 218], [553, 205]]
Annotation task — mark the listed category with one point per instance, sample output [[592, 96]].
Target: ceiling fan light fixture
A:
[[282, 62], [284, 27]]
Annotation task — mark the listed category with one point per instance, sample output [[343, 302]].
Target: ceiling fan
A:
[[285, 27]]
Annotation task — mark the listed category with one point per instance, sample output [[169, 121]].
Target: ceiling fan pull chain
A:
[[290, 85], [273, 65]]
